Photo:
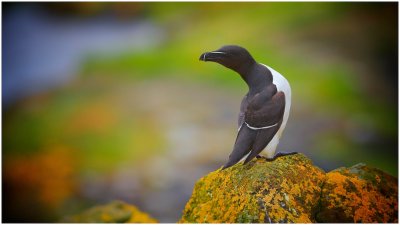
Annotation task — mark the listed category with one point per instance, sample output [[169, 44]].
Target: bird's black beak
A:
[[212, 56]]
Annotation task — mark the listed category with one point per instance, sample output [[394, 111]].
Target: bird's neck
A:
[[253, 78]]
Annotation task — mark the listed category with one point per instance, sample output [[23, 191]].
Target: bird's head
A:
[[231, 56]]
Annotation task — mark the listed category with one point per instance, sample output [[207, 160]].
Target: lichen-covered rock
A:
[[359, 194], [292, 189], [114, 212], [285, 190]]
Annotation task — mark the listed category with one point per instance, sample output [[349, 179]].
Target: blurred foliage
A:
[[340, 58], [80, 116]]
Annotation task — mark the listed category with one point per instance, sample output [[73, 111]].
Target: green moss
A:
[[246, 217]]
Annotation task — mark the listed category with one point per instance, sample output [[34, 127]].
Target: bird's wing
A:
[[267, 117], [243, 107], [243, 144], [248, 139], [263, 111]]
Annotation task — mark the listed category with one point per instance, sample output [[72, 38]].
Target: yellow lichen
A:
[[138, 216], [242, 195], [288, 189], [114, 212]]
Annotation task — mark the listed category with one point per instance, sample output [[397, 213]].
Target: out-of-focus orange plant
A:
[[48, 177]]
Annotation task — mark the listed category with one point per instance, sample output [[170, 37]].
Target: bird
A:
[[264, 110]]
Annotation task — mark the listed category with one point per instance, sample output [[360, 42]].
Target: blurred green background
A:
[[106, 101]]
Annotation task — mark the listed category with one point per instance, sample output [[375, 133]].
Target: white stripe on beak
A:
[[219, 52]]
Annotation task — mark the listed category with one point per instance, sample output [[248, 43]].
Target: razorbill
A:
[[264, 110]]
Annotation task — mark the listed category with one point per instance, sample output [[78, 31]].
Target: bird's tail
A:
[[243, 145]]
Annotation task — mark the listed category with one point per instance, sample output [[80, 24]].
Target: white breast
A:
[[282, 85]]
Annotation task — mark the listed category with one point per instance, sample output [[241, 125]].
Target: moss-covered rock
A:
[[114, 212], [292, 189]]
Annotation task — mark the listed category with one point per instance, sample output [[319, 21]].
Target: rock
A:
[[359, 194], [292, 190], [114, 212]]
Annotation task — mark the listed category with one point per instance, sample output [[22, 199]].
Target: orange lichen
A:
[[290, 189], [360, 199]]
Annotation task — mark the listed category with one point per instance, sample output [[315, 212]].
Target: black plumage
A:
[[262, 108]]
